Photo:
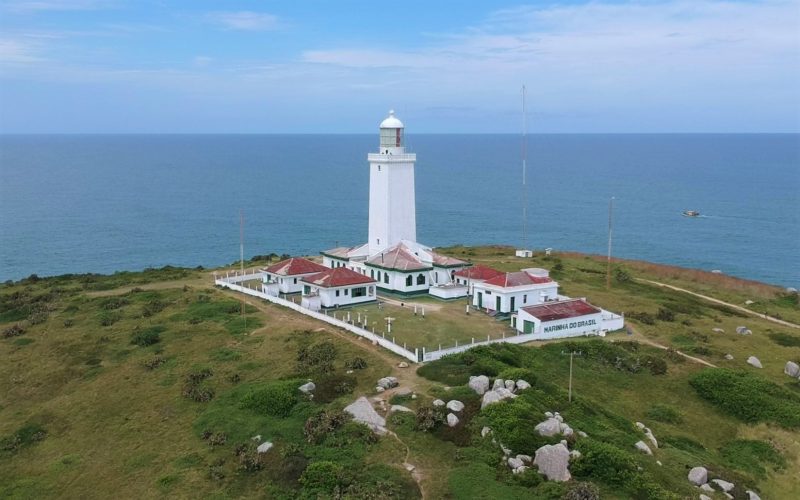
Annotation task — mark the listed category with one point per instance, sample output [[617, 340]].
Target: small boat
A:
[[690, 213]]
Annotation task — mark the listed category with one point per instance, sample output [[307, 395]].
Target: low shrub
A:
[[318, 426], [621, 275], [146, 338], [582, 491], [748, 397], [752, 456], [153, 307], [323, 478], [642, 317], [665, 314], [274, 398], [152, 364], [785, 339], [14, 330], [112, 303], [68, 323], [248, 456], [193, 388], [316, 358], [664, 413], [515, 374], [656, 365], [215, 438], [24, 436], [429, 417], [108, 318], [604, 462], [357, 363], [330, 387]]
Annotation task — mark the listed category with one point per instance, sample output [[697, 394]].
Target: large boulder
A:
[[752, 495], [743, 330], [649, 434], [754, 361], [438, 402], [729, 357], [498, 383], [553, 462], [515, 462], [698, 476], [455, 405], [505, 393], [452, 420], [522, 385], [641, 446], [307, 388], [363, 412], [510, 385], [525, 458], [549, 427], [792, 369], [387, 382], [479, 384], [490, 397]]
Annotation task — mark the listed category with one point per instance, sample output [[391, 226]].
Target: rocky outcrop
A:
[[754, 361], [387, 382], [522, 385], [479, 384], [698, 476], [549, 427], [642, 446], [455, 405], [729, 357], [553, 462], [363, 412]]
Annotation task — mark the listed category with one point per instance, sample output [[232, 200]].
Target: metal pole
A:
[[608, 260], [570, 376]]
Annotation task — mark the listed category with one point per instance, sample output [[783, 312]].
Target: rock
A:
[[728, 495], [522, 385], [395, 408], [498, 383], [256, 438], [413, 396], [698, 476], [479, 384], [704, 497], [792, 369], [506, 451], [729, 357], [752, 360], [455, 405], [349, 372], [525, 458], [567, 431], [452, 420], [718, 330], [520, 470], [489, 398], [379, 389], [510, 384], [485, 431], [752, 495], [515, 463], [549, 427], [505, 393], [402, 364], [706, 487], [438, 402], [640, 425], [409, 467], [558, 417], [564, 442], [387, 382], [363, 412], [582, 434], [264, 447], [307, 388], [548, 414], [575, 454], [403, 392], [659, 462], [723, 485], [649, 434], [743, 330], [553, 462], [641, 446]]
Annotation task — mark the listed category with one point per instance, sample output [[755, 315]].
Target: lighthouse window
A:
[[379, 168], [421, 279], [386, 277], [409, 280]]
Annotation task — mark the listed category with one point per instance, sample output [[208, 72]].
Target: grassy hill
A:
[[153, 384]]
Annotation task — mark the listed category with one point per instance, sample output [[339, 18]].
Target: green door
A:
[[498, 305], [480, 300], [527, 327]]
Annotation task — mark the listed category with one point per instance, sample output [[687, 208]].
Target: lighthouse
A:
[[392, 205]]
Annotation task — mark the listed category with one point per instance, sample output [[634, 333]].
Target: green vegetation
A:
[[664, 413], [752, 456], [274, 398], [748, 397], [785, 339]]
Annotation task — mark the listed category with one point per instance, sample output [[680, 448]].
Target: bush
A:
[[192, 388], [146, 337], [317, 358], [642, 317], [68, 323], [664, 413], [748, 397], [275, 398], [14, 330], [153, 307], [515, 374], [318, 426], [785, 339], [25, 436], [113, 303], [154, 363], [357, 363], [604, 462], [322, 477], [429, 417], [330, 387], [582, 491], [621, 275], [657, 366], [109, 318], [665, 314], [249, 457], [751, 456]]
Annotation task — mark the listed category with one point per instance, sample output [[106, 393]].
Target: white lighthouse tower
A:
[[392, 206]]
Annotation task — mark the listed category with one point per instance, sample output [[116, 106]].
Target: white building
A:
[[565, 318], [508, 292], [469, 276], [392, 256], [337, 287], [285, 276]]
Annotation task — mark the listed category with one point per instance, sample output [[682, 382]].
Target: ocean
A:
[[102, 203]]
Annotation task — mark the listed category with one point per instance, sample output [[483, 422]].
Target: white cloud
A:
[[18, 51], [244, 20], [54, 5]]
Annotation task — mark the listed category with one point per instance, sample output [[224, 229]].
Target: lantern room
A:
[[391, 135]]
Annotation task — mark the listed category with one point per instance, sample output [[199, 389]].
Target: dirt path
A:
[[644, 340], [721, 302]]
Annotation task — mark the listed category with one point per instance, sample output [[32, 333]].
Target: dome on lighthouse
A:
[[391, 121]]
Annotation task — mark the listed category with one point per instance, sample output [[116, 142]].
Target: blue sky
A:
[[445, 66]]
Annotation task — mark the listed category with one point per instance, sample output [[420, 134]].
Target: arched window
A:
[[421, 279], [409, 280]]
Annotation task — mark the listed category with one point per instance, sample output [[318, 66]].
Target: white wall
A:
[[397, 280], [448, 292], [534, 295], [392, 206], [328, 297], [286, 284]]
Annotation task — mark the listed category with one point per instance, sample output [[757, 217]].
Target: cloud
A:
[[18, 51], [54, 5], [244, 20]]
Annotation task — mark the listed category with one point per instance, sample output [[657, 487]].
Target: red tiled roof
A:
[[519, 278], [478, 272], [398, 257], [551, 311], [339, 276], [295, 266]]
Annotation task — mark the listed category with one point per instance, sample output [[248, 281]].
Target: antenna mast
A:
[[241, 254], [524, 173], [608, 259]]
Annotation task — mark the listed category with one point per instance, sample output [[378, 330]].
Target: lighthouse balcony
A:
[[390, 158]]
